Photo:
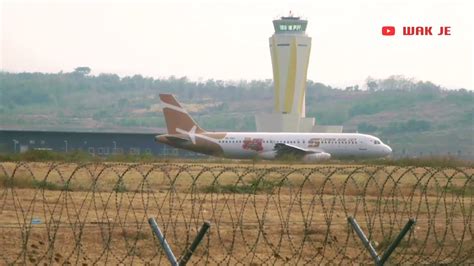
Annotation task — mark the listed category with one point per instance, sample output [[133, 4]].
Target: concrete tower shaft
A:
[[290, 48]]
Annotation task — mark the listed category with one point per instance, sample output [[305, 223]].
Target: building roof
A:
[[137, 130]]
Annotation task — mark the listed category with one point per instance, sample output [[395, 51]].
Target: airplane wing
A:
[[284, 148]]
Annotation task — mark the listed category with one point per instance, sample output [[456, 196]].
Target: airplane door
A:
[[363, 146]]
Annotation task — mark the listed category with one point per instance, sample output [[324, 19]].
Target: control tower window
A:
[[290, 27]]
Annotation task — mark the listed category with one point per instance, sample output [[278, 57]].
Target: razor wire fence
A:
[[98, 213]]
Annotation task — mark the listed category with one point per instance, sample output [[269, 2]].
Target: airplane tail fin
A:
[[176, 117]]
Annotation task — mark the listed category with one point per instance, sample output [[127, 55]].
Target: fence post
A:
[[163, 242], [364, 239], [397, 241], [380, 261], [194, 245], [169, 253]]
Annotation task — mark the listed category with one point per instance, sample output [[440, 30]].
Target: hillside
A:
[[414, 117]]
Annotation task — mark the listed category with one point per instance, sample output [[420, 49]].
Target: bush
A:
[[366, 128], [74, 156], [47, 156], [411, 125], [27, 182]]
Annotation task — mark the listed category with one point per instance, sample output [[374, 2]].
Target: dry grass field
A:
[[260, 214]]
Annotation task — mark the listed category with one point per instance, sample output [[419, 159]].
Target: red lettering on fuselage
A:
[[314, 143]]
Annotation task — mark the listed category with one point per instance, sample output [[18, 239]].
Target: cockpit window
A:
[[376, 142]]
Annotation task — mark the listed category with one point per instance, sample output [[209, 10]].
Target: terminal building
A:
[[290, 49], [101, 144]]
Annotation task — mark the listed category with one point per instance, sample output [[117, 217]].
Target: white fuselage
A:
[[185, 133], [252, 144]]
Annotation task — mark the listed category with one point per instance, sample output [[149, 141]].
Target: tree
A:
[[365, 127], [82, 71], [371, 84]]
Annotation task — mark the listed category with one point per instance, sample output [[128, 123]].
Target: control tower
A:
[[290, 48]]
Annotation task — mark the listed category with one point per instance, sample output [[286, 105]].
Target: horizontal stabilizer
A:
[[177, 139]]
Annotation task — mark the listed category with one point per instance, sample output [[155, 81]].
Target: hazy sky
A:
[[229, 39]]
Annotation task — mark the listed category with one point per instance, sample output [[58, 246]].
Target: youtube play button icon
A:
[[388, 30]]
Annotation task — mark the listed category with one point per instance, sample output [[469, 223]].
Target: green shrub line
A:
[[24, 182], [431, 161], [84, 157]]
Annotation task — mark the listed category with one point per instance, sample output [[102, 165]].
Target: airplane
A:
[[185, 133]]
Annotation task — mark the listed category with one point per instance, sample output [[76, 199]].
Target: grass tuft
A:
[[254, 186], [120, 187]]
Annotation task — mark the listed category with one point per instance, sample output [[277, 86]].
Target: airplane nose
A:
[[388, 150]]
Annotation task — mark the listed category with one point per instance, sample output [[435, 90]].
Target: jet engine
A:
[[268, 155], [315, 157]]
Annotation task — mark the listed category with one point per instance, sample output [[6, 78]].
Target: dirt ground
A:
[[263, 214]]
